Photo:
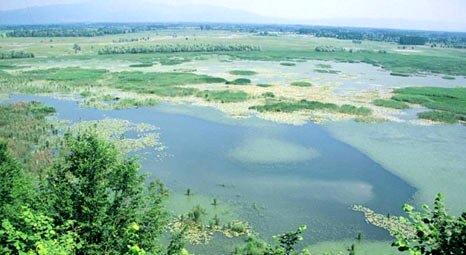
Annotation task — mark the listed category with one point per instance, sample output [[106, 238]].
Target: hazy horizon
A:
[[414, 14]]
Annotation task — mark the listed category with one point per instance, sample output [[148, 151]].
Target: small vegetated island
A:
[[73, 188]]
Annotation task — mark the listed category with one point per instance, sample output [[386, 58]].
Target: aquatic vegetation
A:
[[223, 96], [264, 85], [393, 224], [441, 116], [142, 65], [301, 84], [28, 134], [75, 75], [390, 103], [291, 106], [449, 103], [243, 72], [323, 66], [240, 81], [172, 61], [288, 64], [141, 80], [448, 77], [328, 71], [400, 74], [114, 130]]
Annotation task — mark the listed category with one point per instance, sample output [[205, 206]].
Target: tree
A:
[[93, 185], [76, 48], [177, 243], [437, 232], [15, 188]]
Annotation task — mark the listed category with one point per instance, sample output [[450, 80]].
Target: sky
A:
[[449, 12]]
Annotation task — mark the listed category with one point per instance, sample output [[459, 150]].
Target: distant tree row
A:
[[15, 54], [171, 48], [412, 40]]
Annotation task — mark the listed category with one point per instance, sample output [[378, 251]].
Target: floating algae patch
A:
[[115, 130], [269, 151], [430, 158]]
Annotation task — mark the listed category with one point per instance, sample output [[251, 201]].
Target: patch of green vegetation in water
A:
[[291, 106], [288, 64], [142, 65], [449, 104], [400, 74], [69, 74], [243, 72], [327, 71], [240, 81], [264, 85], [324, 66], [301, 84], [390, 103], [223, 96], [448, 77], [161, 83]]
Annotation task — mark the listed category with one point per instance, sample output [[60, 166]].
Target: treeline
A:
[[172, 48], [412, 40], [15, 54], [79, 30]]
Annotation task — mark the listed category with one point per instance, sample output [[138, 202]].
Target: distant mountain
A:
[[128, 11]]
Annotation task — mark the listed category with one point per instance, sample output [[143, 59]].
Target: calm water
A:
[[276, 176]]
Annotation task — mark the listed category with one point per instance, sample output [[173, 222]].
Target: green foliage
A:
[[291, 106], [15, 186], [285, 245], [240, 81], [177, 243], [437, 232], [35, 233], [93, 186], [390, 103], [412, 40], [243, 72], [288, 64], [223, 96], [301, 84]]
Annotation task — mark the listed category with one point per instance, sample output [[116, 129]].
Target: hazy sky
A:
[[445, 11]]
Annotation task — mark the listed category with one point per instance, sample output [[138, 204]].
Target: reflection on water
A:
[[301, 175]]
